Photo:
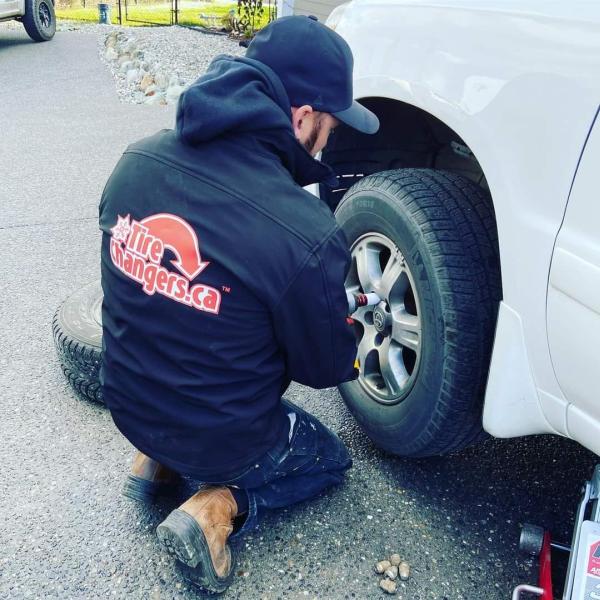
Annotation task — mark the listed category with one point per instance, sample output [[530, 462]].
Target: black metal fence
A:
[[170, 12], [135, 12]]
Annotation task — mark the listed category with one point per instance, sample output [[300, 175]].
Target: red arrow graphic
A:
[[181, 239]]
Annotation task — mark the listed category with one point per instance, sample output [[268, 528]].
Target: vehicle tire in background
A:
[[39, 20], [425, 241], [77, 332]]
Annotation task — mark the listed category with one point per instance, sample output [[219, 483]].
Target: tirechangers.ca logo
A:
[[137, 249]]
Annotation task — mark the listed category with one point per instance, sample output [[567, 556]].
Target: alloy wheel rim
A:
[[388, 334], [44, 14]]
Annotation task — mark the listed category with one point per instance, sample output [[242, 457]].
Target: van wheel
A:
[[40, 20], [425, 241], [77, 332]]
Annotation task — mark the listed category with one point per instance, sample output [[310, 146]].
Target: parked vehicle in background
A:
[[37, 17], [474, 214]]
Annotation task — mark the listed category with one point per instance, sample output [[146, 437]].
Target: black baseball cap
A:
[[315, 66]]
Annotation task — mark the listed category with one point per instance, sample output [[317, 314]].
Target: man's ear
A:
[[299, 116]]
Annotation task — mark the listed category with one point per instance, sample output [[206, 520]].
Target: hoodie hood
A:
[[237, 96]]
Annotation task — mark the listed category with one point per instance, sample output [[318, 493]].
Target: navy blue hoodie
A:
[[222, 277]]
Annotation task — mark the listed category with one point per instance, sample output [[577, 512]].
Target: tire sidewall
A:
[[365, 211]]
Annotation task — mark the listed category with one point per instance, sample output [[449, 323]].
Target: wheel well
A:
[[407, 137]]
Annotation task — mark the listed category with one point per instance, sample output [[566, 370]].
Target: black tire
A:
[[77, 332], [444, 226], [40, 20]]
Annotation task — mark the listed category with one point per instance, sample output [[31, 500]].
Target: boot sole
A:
[[143, 490], [182, 537]]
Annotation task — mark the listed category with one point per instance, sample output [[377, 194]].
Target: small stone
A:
[[147, 81], [404, 570], [111, 54], [124, 58], [388, 586], [395, 559], [391, 572], [382, 565], [151, 90]]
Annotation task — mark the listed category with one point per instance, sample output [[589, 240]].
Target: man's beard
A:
[[311, 142]]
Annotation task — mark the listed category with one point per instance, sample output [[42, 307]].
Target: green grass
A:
[[156, 13]]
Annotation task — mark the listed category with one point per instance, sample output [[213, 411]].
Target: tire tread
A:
[[80, 363]]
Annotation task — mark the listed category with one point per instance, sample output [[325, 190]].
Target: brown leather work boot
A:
[[148, 479], [196, 534]]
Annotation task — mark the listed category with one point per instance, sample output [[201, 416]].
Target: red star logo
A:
[[120, 231]]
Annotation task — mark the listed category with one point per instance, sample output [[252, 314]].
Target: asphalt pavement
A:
[[65, 531]]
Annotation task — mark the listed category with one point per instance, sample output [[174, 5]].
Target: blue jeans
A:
[[295, 469]]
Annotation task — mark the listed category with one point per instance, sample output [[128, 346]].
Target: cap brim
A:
[[359, 117]]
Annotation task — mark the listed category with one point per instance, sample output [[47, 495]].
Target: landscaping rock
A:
[[157, 98], [123, 58], [133, 76], [161, 79], [169, 58], [146, 81], [395, 559], [391, 572], [173, 93], [404, 570], [126, 66]]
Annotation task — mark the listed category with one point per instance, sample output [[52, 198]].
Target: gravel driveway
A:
[[65, 530]]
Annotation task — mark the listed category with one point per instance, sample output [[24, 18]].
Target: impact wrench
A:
[[356, 301]]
